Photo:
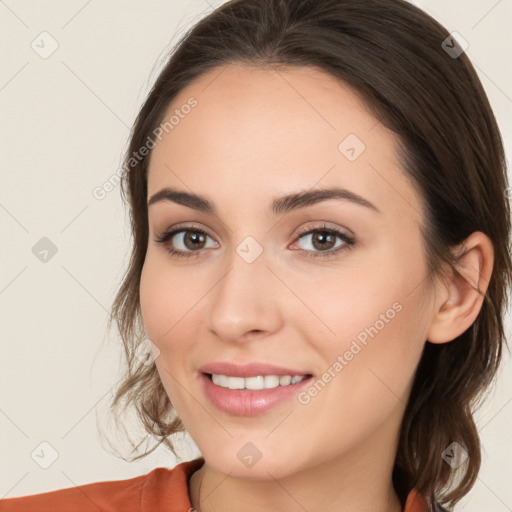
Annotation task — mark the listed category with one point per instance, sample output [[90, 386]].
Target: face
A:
[[332, 290]]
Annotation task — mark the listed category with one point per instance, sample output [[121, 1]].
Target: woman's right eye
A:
[[186, 238]]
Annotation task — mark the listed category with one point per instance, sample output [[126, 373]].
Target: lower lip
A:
[[244, 402]]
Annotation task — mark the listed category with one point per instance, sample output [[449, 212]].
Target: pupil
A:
[[195, 237], [323, 235]]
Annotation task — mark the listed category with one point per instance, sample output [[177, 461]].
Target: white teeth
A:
[[285, 380], [220, 380], [255, 383], [235, 382], [271, 381]]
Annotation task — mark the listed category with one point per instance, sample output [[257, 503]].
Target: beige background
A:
[[65, 122]]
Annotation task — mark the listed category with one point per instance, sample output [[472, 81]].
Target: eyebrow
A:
[[279, 206]]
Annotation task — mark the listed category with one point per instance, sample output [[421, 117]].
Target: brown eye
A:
[[323, 241], [184, 242], [193, 240]]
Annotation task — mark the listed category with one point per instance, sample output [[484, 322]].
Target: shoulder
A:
[[139, 494], [104, 496], [417, 503]]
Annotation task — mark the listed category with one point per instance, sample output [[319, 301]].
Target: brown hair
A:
[[391, 53]]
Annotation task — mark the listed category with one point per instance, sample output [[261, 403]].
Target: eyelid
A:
[[184, 226], [169, 233], [328, 227]]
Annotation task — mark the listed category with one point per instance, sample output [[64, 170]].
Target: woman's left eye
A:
[[324, 238], [192, 240]]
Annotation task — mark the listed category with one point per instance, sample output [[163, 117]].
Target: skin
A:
[[256, 135]]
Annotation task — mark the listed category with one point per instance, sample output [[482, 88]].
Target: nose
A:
[[245, 303]]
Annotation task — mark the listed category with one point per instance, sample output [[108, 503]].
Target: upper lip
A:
[[248, 369]]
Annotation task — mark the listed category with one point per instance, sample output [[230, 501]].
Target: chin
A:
[[260, 460]]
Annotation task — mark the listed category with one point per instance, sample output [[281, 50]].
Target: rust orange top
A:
[[161, 490]]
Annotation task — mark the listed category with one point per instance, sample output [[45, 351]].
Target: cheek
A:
[[374, 319], [161, 309], [367, 375], [354, 306], [161, 305], [169, 305], [152, 302]]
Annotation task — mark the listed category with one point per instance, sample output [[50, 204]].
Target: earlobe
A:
[[460, 300]]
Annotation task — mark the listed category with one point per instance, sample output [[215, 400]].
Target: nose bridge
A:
[[243, 302]]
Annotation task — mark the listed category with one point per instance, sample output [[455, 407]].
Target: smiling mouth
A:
[[256, 382]]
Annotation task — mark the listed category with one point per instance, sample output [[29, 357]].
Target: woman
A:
[[321, 261]]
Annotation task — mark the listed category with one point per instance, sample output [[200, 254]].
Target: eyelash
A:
[[348, 241]]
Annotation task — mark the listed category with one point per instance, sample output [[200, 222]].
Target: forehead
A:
[[276, 131]]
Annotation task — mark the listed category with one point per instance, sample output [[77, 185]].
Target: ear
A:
[[457, 301]]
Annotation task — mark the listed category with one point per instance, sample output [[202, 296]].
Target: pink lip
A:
[[248, 370], [244, 402]]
